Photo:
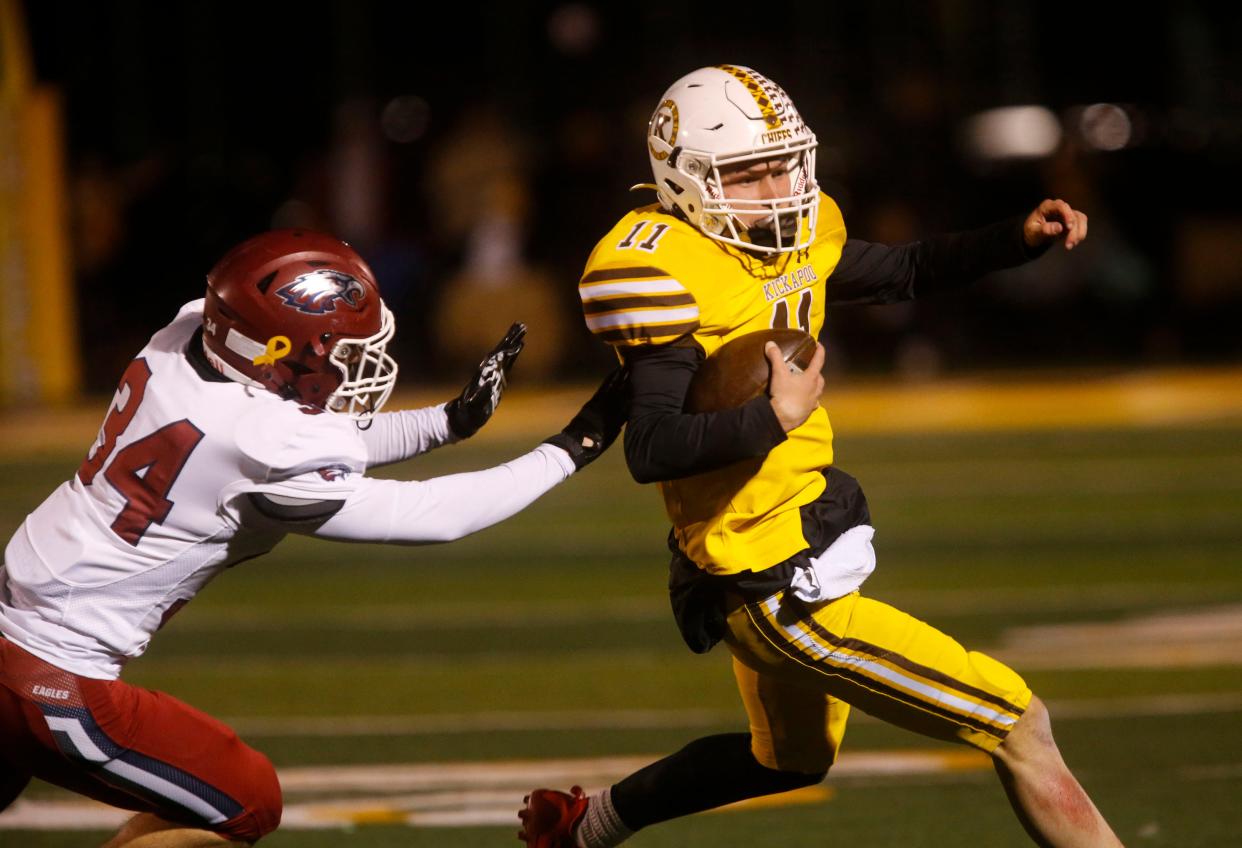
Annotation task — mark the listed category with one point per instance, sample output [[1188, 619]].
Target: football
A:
[[738, 370]]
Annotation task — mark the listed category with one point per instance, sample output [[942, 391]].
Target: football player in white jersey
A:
[[254, 414]]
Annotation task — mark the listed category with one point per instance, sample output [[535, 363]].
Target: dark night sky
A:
[[203, 121]]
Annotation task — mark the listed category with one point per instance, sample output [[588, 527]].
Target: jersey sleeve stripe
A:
[[647, 334], [665, 285], [613, 304], [649, 318], [632, 273]]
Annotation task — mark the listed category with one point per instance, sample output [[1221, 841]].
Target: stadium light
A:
[[1013, 132]]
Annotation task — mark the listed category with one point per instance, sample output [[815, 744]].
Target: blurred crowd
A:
[[474, 161]]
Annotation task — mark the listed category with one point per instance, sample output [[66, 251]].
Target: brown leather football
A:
[[738, 370]]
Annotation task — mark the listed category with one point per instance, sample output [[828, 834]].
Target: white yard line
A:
[[473, 794], [443, 616], [481, 722], [1146, 705], [1210, 636], [488, 722], [542, 614], [488, 793], [465, 794]]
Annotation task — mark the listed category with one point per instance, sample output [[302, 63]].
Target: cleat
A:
[[550, 817]]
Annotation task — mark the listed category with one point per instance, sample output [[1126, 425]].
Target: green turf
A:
[[563, 609]]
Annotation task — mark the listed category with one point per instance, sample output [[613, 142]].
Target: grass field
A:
[[1103, 563]]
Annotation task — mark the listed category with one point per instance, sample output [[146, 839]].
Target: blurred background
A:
[[1053, 458], [476, 154]]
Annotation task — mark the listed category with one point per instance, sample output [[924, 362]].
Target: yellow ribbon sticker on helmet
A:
[[277, 347]]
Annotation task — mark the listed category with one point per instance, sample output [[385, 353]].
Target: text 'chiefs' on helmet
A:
[[726, 116], [299, 313]]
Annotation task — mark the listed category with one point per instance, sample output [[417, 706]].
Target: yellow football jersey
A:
[[655, 279]]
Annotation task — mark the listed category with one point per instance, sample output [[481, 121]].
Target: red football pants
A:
[[129, 747]]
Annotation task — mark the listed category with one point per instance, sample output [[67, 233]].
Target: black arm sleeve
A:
[[663, 443], [876, 273]]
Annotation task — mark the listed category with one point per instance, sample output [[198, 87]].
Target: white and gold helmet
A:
[[729, 115]]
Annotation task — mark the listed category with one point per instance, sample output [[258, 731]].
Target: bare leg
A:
[[148, 831], [1049, 801]]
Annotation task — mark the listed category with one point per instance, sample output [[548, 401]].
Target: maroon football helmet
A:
[[298, 313]]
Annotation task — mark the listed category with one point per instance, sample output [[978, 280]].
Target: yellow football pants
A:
[[800, 666]]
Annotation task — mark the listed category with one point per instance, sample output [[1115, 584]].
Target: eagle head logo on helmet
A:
[[319, 291]]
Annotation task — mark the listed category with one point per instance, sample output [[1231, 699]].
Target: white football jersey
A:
[[158, 507]]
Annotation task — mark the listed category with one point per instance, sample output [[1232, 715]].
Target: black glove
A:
[[478, 400], [597, 424]]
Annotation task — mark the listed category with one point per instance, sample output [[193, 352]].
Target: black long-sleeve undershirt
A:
[[877, 273], [664, 443]]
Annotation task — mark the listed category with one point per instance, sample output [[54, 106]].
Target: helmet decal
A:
[[317, 292], [770, 106], [664, 125]]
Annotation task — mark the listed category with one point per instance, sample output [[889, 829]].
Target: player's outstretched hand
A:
[[478, 400], [597, 424], [794, 395], [1053, 220]]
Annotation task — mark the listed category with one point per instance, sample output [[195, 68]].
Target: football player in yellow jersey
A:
[[771, 542]]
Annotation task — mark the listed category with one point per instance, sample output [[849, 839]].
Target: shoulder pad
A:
[[172, 337], [279, 441], [194, 307], [637, 304], [830, 226]]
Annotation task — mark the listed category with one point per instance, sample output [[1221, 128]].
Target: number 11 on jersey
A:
[[780, 312], [648, 243]]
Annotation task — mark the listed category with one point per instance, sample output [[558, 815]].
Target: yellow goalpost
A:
[[39, 349]]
